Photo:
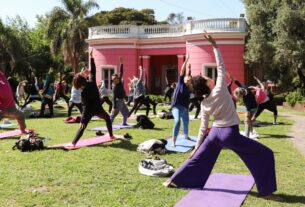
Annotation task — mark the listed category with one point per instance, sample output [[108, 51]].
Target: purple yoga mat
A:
[[114, 127], [220, 190], [88, 142], [13, 133]]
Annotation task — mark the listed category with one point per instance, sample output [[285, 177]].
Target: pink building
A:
[[161, 50]]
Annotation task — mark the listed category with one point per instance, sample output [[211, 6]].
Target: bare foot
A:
[[173, 145], [70, 145], [112, 137], [273, 198], [167, 183]]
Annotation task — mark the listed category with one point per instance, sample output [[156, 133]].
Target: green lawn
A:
[[107, 175]]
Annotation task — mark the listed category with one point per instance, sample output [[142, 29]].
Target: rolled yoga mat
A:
[[87, 142], [220, 190]]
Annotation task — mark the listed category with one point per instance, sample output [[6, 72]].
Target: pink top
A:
[[260, 96], [6, 94]]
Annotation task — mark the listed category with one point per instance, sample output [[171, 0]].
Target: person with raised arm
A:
[[259, 159], [181, 103], [118, 96], [86, 81]]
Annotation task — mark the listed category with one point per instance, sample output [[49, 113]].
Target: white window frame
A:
[[107, 67], [205, 70]]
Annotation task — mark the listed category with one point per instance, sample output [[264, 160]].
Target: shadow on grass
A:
[[286, 198], [275, 136], [266, 124], [127, 145]]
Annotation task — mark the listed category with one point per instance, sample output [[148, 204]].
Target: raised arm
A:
[[260, 83], [92, 68], [121, 68], [183, 68], [190, 70]]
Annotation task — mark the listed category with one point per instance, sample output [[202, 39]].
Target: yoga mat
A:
[[6, 125], [182, 144], [87, 142], [220, 190], [13, 133], [114, 127]]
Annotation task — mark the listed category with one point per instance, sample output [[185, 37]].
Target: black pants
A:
[[107, 100], [130, 98], [147, 101], [169, 96], [49, 102], [137, 103], [61, 95], [267, 105], [86, 117], [195, 102], [72, 104], [30, 100]]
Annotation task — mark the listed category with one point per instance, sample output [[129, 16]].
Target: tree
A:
[[276, 38], [67, 29], [175, 18], [125, 16]]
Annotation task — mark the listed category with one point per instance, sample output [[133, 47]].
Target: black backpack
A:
[[29, 142], [144, 122], [166, 115]]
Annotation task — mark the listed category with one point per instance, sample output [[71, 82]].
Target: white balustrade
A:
[[175, 30]]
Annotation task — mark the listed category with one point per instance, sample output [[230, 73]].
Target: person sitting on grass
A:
[[259, 159], [90, 100], [8, 105], [181, 103]]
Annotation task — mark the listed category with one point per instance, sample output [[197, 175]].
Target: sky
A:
[[200, 9]]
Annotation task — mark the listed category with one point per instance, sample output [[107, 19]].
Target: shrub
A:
[[157, 98], [294, 97]]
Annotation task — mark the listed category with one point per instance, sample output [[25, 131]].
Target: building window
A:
[[210, 71], [106, 73]]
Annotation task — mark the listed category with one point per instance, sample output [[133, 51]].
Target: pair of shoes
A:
[[99, 133], [127, 136]]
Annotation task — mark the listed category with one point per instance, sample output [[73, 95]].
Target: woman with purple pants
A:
[[259, 159]]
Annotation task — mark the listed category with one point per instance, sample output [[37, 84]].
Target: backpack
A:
[[155, 167], [29, 142], [153, 146], [165, 114], [144, 122]]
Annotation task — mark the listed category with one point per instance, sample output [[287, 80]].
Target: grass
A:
[[107, 175], [301, 113]]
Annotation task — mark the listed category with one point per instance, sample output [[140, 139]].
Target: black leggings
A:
[[31, 99], [61, 95], [137, 103], [147, 101], [86, 117], [267, 105], [169, 96], [71, 105], [49, 102], [107, 100], [195, 102]]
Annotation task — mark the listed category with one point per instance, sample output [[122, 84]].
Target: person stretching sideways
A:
[[259, 159], [8, 105], [90, 100]]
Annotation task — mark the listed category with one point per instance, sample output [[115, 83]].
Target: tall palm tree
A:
[[67, 28]]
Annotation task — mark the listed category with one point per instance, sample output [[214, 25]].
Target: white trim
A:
[[114, 46], [180, 56], [209, 65], [145, 57], [161, 46], [219, 42]]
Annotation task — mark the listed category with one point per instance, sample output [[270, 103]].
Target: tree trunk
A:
[[302, 78]]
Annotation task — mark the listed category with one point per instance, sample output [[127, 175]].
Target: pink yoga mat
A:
[[13, 133], [114, 127], [88, 142], [220, 190]]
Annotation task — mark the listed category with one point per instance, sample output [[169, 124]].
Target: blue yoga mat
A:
[[182, 144], [6, 125]]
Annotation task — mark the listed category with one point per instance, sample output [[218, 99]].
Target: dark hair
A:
[[79, 81], [199, 86]]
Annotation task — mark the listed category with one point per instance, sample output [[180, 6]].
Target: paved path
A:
[[297, 131]]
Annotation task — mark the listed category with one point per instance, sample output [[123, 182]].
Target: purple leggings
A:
[[259, 159]]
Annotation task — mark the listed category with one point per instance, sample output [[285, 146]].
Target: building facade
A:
[[161, 50]]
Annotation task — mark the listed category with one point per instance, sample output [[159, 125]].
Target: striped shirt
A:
[[218, 104]]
